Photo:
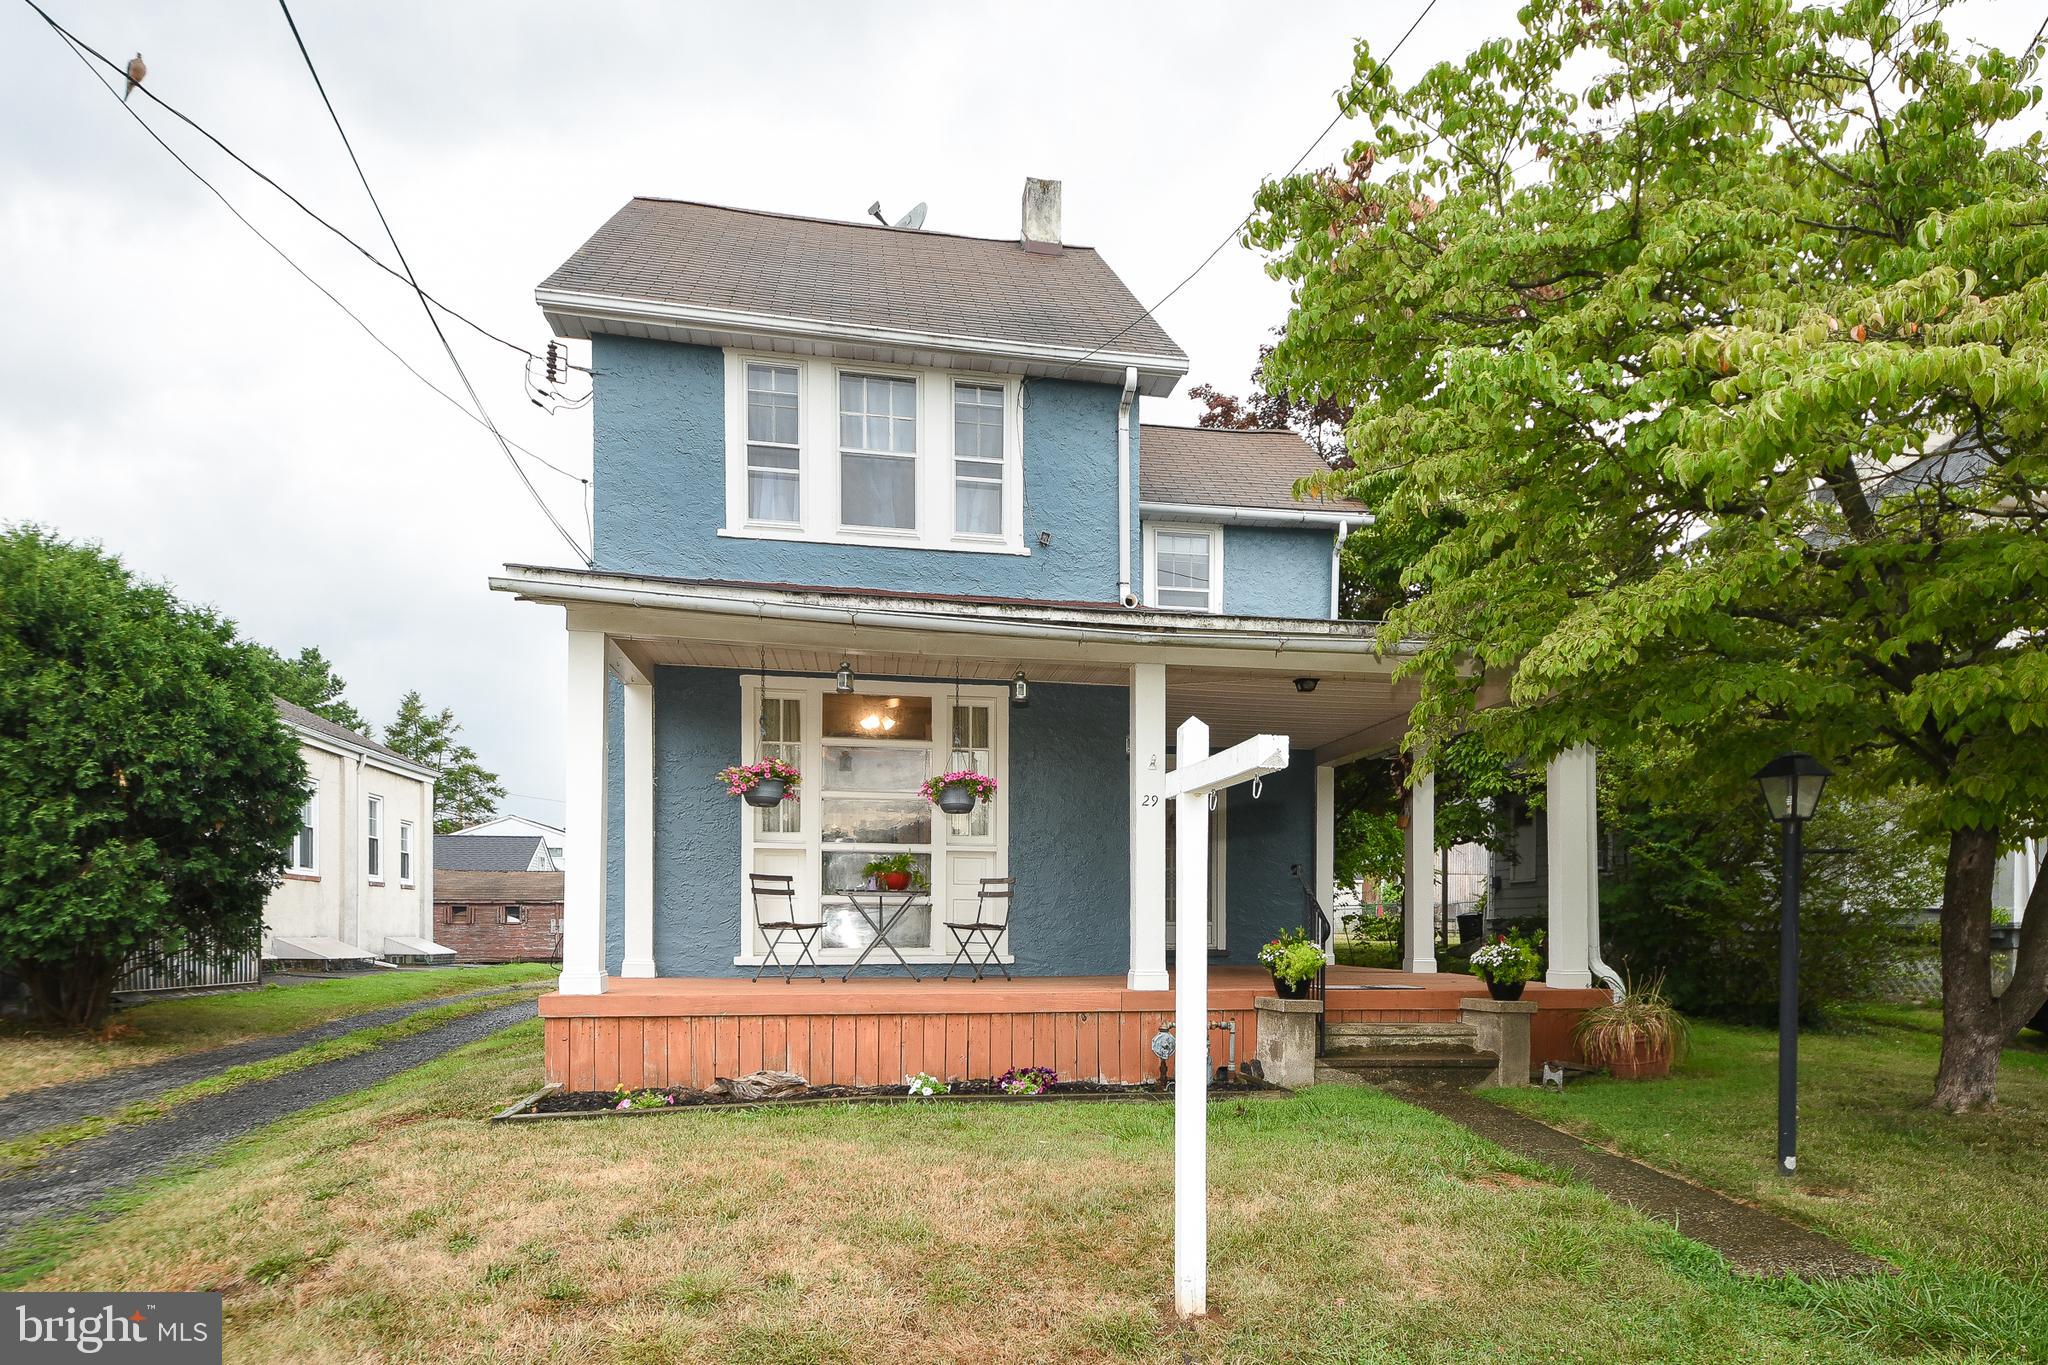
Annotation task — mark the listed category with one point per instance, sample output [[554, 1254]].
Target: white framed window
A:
[[877, 451], [864, 756], [855, 454], [373, 840], [979, 432], [782, 736], [405, 853], [774, 444], [304, 856], [1184, 567]]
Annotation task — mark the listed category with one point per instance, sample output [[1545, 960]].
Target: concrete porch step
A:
[[1462, 1068], [1348, 1039]]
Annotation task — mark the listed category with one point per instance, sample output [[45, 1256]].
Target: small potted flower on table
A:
[[761, 784]]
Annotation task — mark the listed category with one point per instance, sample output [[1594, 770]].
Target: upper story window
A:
[[1184, 567], [978, 459], [774, 490], [373, 830], [405, 853], [877, 452], [859, 454], [304, 855]]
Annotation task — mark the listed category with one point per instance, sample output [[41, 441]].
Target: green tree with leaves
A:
[[466, 792], [147, 788], [308, 679], [1702, 347]]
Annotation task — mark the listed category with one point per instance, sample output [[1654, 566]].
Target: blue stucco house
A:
[[882, 503]]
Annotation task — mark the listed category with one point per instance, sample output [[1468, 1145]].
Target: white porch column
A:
[[1573, 823], [639, 744], [583, 883], [1418, 873], [1326, 851], [1148, 828]]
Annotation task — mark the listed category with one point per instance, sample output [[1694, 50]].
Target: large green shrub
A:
[[147, 787]]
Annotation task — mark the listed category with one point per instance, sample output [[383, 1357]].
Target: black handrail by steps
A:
[[1316, 924]]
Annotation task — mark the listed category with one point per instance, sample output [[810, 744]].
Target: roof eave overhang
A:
[[579, 316], [1331, 518], [628, 605]]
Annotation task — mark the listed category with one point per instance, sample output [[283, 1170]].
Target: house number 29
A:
[[1150, 799]]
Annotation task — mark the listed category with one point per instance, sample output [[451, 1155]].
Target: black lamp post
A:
[[1791, 786]]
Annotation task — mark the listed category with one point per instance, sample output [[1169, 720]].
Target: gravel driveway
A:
[[80, 1175]]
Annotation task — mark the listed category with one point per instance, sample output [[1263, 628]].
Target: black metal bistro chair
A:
[[775, 910], [985, 930]]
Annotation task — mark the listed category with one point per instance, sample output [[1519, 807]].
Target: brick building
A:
[[499, 916]]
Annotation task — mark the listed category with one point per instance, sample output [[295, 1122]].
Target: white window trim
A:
[[818, 458], [1215, 535], [373, 837], [311, 869], [408, 854], [808, 838]]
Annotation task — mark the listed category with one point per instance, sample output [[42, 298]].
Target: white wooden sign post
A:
[[1197, 777]]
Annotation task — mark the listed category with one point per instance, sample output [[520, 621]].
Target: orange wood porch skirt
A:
[[876, 1031]]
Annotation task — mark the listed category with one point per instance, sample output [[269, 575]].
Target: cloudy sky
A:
[[169, 388]]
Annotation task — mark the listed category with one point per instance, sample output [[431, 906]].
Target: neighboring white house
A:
[[556, 840], [359, 880]]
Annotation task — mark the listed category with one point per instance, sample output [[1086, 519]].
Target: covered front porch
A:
[[876, 1031]]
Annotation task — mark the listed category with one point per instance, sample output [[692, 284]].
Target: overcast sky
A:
[[171, 389]]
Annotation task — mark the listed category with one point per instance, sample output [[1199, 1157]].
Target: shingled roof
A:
[[829, 274], [532, 887], [293, 714], [1222, 467], [484, 852]]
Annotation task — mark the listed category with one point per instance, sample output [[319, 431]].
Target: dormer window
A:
[[877, 452], [774, 450]]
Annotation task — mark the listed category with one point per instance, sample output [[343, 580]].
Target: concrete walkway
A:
[[31, 1111], [80, 1175], [1755, 1242]]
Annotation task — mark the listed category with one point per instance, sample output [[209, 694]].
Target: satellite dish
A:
[[912, 220], [875, 212]]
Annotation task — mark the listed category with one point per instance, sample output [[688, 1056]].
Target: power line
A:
[[243, 162], [1243, 222], [298, 269], [425, 305]]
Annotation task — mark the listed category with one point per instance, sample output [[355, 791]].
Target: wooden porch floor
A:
[[876, 1030]]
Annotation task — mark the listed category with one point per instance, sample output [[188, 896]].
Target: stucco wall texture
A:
[[659, 433]]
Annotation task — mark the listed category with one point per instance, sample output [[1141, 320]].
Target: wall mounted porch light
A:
[[1020, 690]]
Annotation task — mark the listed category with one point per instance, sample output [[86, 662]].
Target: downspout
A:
[[1602, 973], [352, 894], [1337, 563], [1123, 487]]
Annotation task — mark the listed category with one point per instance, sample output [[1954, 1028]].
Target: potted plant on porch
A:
[[1294, 960], [896, 872], [1506, 965], [1636, 1037], [761, 784], [956, 793]]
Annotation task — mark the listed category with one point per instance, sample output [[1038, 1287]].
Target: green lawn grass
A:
[[31, 1057], [1345, 1226], [1878, 1166]]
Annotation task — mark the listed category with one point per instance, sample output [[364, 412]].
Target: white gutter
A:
[[1249, 516], [902, 619], [1123, 488]]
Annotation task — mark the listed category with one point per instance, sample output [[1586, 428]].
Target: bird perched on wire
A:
[[136, 71]]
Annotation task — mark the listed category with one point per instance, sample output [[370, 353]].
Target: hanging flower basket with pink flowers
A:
[[956, 793], [761, 784]]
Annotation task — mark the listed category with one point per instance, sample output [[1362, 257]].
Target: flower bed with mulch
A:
[[554, 1103]]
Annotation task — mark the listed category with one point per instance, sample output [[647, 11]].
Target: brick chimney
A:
[[1041, 230]]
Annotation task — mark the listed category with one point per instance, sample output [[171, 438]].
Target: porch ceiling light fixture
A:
[[1306, 684], [845, 683], [1020, 690]]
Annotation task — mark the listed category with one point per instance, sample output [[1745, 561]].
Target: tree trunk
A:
[[1971, 1028], [75, 996]]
